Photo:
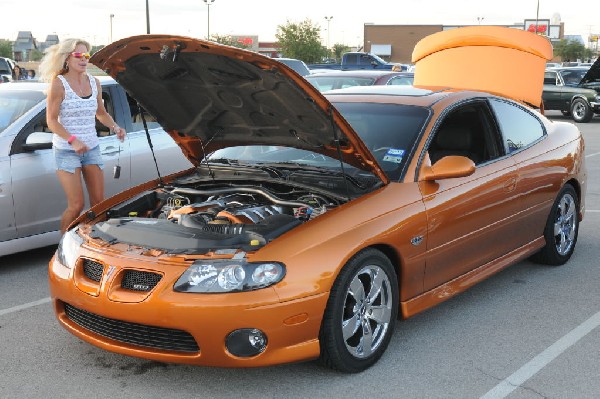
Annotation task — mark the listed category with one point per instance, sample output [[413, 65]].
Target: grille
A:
[[93, 270], [140, 281], [133, 333]]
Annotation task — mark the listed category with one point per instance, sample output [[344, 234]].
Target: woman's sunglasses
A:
[[81, 55]]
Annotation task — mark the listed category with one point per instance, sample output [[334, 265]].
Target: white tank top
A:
[[78, 116]]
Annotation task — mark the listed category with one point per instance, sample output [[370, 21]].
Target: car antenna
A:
[[141, 110], [336, 139]]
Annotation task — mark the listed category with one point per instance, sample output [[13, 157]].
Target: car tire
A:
[[361, 313], [562, 229], [581, 111]]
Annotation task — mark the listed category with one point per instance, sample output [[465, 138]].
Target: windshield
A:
[[4, 67], [15, 103], [389, 131], [573, 77]]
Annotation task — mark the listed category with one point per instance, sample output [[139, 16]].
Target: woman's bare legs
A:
[[94, 181], [73, 188]]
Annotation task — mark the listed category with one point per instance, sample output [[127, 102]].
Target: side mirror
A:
[[38, 141], [449, 167]]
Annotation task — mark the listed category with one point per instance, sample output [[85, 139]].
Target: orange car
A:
[[309, 224]]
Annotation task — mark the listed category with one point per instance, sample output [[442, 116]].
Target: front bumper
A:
[[169, 326]]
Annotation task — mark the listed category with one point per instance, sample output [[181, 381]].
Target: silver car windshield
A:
[[15, 103]]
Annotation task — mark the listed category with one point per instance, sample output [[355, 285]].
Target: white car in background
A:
[[31, 197]]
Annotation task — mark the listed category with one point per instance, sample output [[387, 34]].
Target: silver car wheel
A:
[[367, 311], [565, 224]]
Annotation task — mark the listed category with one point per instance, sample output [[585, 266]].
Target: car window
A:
[[102, 130], [401, 80], [14, 103], [467, 131], [550, 78], [519, 127], [136, 118], [4, 67]]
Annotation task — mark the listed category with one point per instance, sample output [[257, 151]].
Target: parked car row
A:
[[31, 197]]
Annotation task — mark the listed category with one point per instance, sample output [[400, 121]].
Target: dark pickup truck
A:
[[357, 60]]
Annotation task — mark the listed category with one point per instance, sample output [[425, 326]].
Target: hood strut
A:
[[339, 150], [160, 180]]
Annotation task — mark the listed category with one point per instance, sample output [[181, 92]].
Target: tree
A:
[[570, 50], [339, 49], [6, 49], [35, 55], [229, 41], [301, 41]]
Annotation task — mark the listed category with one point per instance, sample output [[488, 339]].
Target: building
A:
[[395, 43], [23, 46]]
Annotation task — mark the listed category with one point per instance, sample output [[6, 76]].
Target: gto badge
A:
[[416, 240]]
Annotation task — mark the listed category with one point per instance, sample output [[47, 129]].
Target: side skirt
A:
[[456, 286]]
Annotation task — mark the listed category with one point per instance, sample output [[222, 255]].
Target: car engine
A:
[[191, 220]]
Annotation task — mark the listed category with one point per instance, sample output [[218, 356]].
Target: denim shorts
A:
[[69, 160]]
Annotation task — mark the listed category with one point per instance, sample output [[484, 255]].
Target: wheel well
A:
[[575, 184], [394, 257]]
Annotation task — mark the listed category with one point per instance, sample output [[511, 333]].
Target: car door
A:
[[169, 157], [39, 200], [470, 219], [552, 93], [522, 133]]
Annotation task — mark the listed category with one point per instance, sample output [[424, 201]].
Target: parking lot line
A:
[[531, 368], [24, 306], [592, 155]]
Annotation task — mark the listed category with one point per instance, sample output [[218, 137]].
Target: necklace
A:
[[78, 89]]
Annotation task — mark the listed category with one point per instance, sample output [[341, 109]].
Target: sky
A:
[[91, 19]]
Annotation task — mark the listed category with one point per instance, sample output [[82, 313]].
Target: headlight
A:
[[229, 275], [68, 248]]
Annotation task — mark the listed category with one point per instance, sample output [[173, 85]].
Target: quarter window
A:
[[519, 127]]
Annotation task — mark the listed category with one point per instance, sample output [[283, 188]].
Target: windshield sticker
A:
[[394, 155]]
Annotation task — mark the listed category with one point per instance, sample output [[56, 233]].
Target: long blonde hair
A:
[[55, 58]]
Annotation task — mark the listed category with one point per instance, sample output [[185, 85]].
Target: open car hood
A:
[[593, 74], [210, 96]]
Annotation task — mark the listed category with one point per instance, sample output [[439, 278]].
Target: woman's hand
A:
[[120, 132], [79, 147]]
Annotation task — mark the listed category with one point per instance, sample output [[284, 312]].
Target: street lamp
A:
[[111, 18], [328, 19], [147, 18], [208, 3]]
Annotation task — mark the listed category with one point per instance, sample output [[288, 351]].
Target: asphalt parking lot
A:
[[531, 331]]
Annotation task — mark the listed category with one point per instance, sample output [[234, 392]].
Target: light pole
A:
[[328, 19], [111, 18], [208, 3], [147, 18]]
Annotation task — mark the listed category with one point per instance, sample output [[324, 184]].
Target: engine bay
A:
[[190, 220]]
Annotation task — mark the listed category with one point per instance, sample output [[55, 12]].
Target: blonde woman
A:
[[74, 99]]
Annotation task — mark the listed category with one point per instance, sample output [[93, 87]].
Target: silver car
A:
[[31, 197]]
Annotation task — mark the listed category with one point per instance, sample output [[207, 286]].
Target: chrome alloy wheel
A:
[[367, 311], [565, 224]]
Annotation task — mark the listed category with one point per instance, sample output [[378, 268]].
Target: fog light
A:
[[246, 342]]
